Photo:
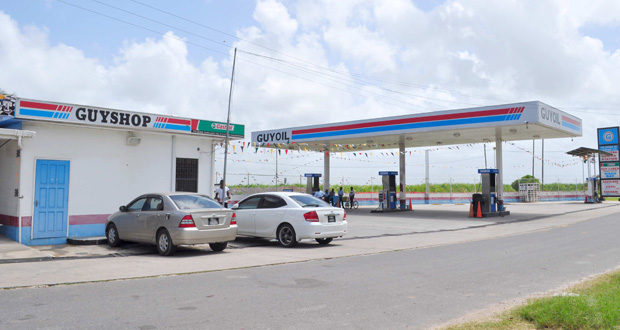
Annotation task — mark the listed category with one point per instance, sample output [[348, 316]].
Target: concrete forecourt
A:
[[427, 226]]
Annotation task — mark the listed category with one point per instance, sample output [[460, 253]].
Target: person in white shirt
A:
[[222, 195], [319, 194]]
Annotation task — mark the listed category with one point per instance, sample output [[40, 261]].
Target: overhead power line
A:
[[348, 79], [360, 77]]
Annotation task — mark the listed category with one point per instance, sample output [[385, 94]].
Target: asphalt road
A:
[[414, 289]]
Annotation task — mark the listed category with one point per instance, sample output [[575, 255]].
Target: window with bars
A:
[[187, 175]]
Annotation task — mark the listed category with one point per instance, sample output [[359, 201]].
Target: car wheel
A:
[[112, 235], [324, 241], [286, 236], [164, 243], [217, 247]]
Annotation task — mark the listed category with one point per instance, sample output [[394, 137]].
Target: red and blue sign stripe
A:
[[570, 123], [173, 123], [454, 119], [44, 110]]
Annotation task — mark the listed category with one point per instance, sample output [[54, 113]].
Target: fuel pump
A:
[[488, 198], [389, 189], [313, 182]]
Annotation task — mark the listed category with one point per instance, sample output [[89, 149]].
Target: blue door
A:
[[50, 199]]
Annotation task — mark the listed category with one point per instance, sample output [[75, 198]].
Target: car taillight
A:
[[187, 222], [311, 216], [344, 218], [233, 220]]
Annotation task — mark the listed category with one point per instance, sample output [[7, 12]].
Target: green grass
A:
[[592, 305], [434, 188]]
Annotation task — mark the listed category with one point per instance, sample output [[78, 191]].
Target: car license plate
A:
[[214, 221], [331, 218]]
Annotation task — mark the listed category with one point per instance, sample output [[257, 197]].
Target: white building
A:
[[64, 168]]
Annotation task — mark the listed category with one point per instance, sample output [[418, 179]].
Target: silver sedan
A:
[[171, 219]]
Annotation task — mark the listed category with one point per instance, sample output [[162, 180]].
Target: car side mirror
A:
[[235, 207], [123, 208]]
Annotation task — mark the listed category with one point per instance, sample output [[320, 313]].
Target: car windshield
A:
[[308, 201], [188, 202]]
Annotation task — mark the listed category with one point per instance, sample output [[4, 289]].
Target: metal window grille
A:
[[529, 192], [187, 175]]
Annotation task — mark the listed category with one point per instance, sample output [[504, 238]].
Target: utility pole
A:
[[533, 154], [542, 176], [277, 169], [427, 193], [371, 189], [232, 77], [450, 189]]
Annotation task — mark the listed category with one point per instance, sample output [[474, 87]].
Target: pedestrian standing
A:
[[340, 195], [351, 197], [222, 194], [332, 197]]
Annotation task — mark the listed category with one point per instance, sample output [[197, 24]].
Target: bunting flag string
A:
[[357, 151]]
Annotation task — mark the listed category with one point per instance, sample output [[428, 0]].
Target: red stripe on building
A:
[[178, 121], [407, 121], [44, 106], [570, 120], [88, 219], [9, 220]]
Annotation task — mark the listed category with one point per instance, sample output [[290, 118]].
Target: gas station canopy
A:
[[509, 122], [588, 152]]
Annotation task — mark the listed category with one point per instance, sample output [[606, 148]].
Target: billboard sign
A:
[[608, 136], [610, 171], [610, 187], [612, 150], [609, 165], [7, 105]]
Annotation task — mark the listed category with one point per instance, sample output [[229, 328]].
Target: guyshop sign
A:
[[112, 117], [58, 112]]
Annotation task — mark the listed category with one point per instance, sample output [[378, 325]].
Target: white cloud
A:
[[501, 50], [275, 18], [153, 76]]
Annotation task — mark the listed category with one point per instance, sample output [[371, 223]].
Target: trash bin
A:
[[477, 199]]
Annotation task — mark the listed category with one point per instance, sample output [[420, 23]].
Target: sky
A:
[[317, 61]]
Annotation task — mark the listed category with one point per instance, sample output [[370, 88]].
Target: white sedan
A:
[[289, 217]]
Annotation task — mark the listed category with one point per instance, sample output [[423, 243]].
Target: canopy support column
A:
[[403, 176], [326, 171], [500, 166]]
